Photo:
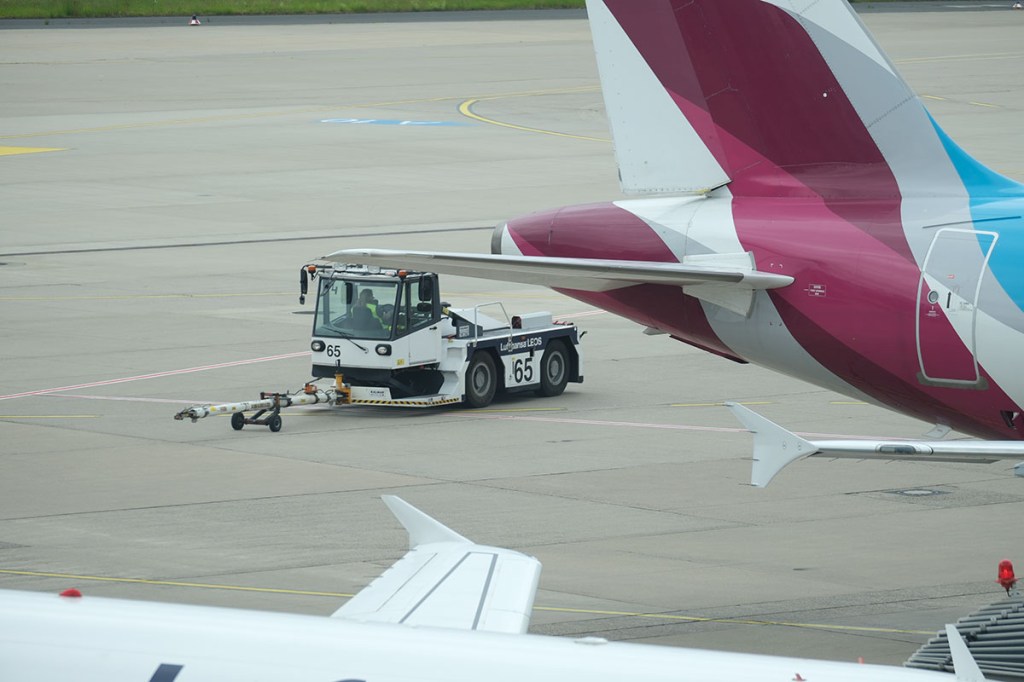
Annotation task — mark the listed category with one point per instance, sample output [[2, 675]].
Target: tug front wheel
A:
[[481, 380]]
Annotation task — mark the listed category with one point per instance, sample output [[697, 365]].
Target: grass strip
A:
[[71, 9]]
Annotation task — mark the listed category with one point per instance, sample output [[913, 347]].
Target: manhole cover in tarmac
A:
[[919, 492]]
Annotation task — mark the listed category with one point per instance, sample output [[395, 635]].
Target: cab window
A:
[[414, 313], [362, 310]]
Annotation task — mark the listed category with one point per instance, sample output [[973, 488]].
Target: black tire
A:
[[274, 423], [554, 370], [481, 380], [237, 421]]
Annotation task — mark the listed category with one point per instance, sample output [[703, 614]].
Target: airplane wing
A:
[[728, 280], [448, 581], [775, 448]]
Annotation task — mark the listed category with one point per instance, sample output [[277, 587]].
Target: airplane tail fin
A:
[[772, 97]]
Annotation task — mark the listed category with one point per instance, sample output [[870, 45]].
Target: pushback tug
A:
[[386, 338]]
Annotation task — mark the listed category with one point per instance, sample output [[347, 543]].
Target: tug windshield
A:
[[356, 309]]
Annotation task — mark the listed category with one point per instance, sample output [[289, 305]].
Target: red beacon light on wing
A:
[[1006, 577]]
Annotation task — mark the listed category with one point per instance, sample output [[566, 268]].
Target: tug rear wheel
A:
[[481, 380], [554, 370]]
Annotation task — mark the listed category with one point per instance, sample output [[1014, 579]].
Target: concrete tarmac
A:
[[161, 186]]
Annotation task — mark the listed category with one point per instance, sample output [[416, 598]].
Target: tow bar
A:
[[270, 404]]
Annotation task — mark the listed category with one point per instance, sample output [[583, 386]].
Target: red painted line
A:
[[155, 375]]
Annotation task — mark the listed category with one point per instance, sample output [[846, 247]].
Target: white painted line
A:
[[674, 427], [128, 399], [155, 375]]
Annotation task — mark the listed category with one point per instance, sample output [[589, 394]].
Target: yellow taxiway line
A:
[[554, 609], [171, 583], [12, 151], [466, 109], [49, 416], [221, 118]]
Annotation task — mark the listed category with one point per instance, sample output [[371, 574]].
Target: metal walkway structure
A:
[[994, 635]]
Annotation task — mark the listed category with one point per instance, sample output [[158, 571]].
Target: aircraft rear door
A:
[[947, 299]]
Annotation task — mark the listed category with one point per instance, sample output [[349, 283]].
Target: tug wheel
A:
[[237, 421], [554, 370], [481, 380], [274, 423]]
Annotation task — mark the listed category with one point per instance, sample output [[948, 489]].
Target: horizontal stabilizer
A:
[[584, 274], [775, 448], [448, 581]]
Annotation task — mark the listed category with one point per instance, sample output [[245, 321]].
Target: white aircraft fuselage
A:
[[95, 639]]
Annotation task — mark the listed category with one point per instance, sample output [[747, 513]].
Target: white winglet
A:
[[447, 581], [964, 665], [423, 530], [774, 446]]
